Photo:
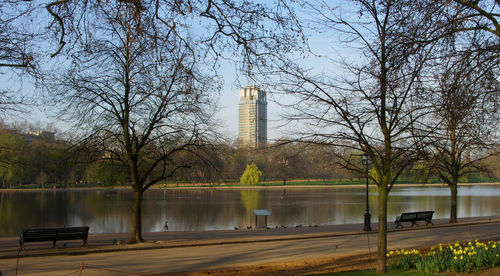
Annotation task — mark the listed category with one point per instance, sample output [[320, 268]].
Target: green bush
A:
[[251, 175]]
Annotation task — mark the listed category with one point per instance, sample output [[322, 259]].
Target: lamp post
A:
[[365, 159], [284, 163]]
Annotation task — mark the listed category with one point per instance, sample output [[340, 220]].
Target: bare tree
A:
[[466, 21], [463, 127], [248, 32], [478, 15], [18, 37], [463, 91], [32, 32], [141, 83], [137, 93], [367, 106]]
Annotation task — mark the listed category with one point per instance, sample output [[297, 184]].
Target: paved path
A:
[[196, 251]]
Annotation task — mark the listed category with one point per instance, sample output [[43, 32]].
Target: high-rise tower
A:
[[252, 117]]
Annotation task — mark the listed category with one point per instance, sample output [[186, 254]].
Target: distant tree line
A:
[[35, 158], [44, 159]]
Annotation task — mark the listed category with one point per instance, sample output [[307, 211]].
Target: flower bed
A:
[[458, 257]]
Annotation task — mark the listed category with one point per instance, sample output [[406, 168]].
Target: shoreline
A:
[[246, 252], [256, 187]]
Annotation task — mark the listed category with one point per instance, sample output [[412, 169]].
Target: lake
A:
[[217, 209]]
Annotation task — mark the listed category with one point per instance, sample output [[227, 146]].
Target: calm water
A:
[[109, 211]]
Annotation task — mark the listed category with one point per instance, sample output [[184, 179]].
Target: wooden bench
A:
[[413, 217], [54, 234]]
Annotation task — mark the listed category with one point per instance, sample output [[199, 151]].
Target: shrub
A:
[[251, 175]]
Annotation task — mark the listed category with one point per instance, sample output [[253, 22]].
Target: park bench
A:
[[413, 217], [54, 234]]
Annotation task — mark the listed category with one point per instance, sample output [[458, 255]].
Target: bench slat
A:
[[413, 217], [54, 234]]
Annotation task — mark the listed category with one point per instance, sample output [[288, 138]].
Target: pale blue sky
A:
[[229, 95]]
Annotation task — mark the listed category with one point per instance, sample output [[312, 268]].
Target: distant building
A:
[[252, 117], [47, 136]]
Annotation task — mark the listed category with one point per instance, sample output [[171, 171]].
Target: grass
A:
[[321, 182], [235, 183]]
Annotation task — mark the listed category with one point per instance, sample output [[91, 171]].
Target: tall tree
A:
[[140, 82], [463, 91], [463, 126], [136, 89], [366, 107]]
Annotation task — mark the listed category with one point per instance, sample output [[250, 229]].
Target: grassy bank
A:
[[233, 183]]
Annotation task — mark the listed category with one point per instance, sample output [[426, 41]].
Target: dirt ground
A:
[[487, 272], [317, 266]]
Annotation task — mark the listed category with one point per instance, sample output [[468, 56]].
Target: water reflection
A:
[[210, 209]]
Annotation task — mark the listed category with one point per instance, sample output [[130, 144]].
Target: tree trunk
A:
[[453, 203], [136, 235], [382, 229]]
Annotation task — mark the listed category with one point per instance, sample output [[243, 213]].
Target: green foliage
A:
[[11, 149], [251, 176], [373, 173], [469, 175], [42, 179], [465, 257], [420, 173], [107, 172], [26, 159]]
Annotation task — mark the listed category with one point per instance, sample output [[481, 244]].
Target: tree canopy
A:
[[251, 176]]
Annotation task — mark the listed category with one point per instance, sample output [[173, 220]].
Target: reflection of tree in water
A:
[[313, 206], [207, 209], [418, 199], [251, 200], [105, 211], [188, 210], [13, 212], [20, 210]]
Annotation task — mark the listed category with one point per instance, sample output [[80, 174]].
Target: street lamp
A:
[[365, 159], [284, 163]]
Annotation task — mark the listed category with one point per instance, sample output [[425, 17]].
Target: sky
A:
[[227, 114], [229, 95]]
